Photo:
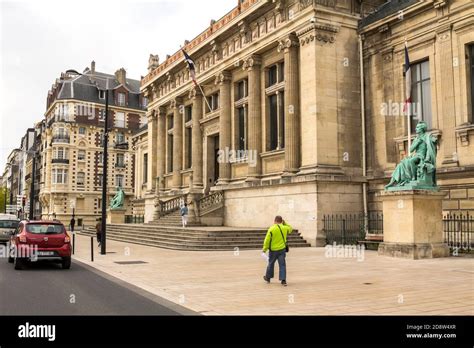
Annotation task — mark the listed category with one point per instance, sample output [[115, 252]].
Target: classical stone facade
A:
[[277, 124], [440, 39], [71, 143]]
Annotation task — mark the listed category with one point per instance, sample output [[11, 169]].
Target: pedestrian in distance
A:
[[184, 214], [276, 242], [72, 223], [98, 231]]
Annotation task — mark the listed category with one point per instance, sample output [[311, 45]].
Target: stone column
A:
[[152, 152], [161, 150], [197, 159], [292, 110], [177, 143], [223, 80], [252, 65]]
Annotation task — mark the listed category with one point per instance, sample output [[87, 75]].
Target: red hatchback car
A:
[[40, 240]]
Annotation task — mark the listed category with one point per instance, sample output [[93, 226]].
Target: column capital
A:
[[175, 103], [161, 110], [287, 42], [251, 62], [223, 77], [151, 115], [194, 92]]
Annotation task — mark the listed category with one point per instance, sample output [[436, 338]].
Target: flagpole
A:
[[204, 96]]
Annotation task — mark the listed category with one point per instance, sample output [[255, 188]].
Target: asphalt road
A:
[[45, 289]]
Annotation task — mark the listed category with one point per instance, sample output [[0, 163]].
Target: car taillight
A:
[[22, 238], [67, 240]]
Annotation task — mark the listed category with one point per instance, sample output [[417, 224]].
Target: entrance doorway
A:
[[212, 163]]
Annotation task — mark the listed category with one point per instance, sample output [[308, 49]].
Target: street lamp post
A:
[[32, 189], [103, 239]]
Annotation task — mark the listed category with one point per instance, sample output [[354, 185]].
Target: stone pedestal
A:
[[116, 216], [413, 225]]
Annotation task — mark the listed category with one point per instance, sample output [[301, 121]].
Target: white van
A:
[[8, 225]]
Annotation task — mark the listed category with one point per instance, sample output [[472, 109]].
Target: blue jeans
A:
[[279, 255]]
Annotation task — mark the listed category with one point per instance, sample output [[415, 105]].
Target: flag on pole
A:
[[192, 67], [407, 70]]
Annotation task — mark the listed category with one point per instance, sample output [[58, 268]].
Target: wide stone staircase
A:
[[192, 238], [173, 219]]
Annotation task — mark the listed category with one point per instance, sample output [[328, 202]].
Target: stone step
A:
[[194, 247], [184, 233]]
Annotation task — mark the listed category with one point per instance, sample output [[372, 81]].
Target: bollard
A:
[[73, 243], [92, 249]]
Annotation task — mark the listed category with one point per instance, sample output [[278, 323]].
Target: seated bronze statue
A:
[[418, 170]]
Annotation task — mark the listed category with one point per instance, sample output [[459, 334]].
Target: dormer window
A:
[[101, 94], [121, 99]]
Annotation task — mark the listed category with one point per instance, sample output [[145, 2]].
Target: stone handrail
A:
[[172, 205], [211, 202]]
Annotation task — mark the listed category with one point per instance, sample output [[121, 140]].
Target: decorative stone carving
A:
[[153, 62], [287, 43], [322, 32], [223, 77], [251, 61], [215, 128], [194, 92]]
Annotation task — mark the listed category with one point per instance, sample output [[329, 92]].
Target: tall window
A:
[[145, 102], [100, 178], [81, 155], [121, 99], [120, 160], [213, 101], [143, 121], [60, 153], [119, 180], [421, 94], [119, 120], [82, 130], [100, 158], [242, 89], [59, 176], [470, 79], [120, 138], [240, 124], [145, 168], [81, 178], [169, 145], [188, 144], [101, 94], [276, 107]]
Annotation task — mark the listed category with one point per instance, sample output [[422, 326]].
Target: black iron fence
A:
[[350, 229], [459, 231], [129, 219]]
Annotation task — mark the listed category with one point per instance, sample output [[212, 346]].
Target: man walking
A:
[[276, 243], [184, 214]]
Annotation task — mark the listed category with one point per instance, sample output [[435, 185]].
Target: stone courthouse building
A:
[[71, 148], [282, 124]]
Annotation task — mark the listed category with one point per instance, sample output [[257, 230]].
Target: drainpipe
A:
[[364, 153]]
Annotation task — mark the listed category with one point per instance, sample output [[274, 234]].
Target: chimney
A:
[[121, 76], [93, 67]]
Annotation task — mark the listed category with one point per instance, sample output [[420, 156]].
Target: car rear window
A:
[[9, 224], [44, 229]]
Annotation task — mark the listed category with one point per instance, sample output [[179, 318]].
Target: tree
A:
[[4, 194]]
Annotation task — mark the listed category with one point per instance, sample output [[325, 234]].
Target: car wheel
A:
[[19, 263], [66, 263]]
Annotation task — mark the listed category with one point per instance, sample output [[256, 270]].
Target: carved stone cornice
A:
[[322, 32], [223, 77], [250, 62], [288, 42], [175, 103]]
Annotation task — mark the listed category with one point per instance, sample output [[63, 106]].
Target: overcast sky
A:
[[39, 39]]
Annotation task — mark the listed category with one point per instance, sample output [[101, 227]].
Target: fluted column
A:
[[292, 109], [223, 80], [177, 142], [152, 151], [252, 65], [197, 160], [161, 148]]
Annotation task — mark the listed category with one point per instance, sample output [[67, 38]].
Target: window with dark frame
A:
[[145, 168], [470, 80], [421, 94], [213, 101]]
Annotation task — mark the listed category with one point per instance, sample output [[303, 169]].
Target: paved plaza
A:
[[230, 283]]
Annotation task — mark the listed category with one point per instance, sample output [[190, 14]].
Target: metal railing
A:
[[350, 229], [62, 139], [134, 219], [459, 231]]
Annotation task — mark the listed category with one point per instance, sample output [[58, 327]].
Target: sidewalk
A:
[[214, 283]]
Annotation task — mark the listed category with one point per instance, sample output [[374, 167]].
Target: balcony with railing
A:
[[60, 161], [61, 139]]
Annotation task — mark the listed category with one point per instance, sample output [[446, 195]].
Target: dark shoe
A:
[[283, 282], [266, 279]]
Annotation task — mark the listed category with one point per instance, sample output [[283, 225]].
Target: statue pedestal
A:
[[413, 225], [116, 216]]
